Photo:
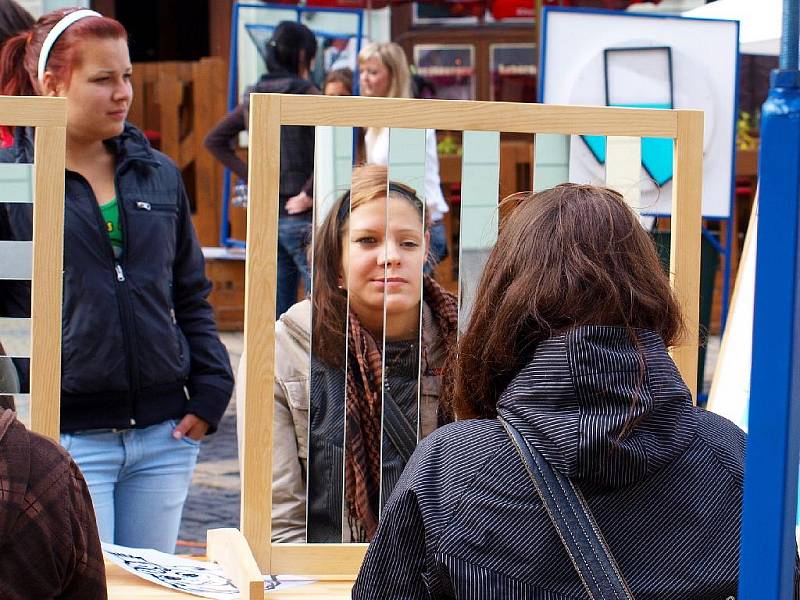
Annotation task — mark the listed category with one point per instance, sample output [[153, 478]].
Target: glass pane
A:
[[22, 405], [551, 160], [15, 337], [14, 375], [513, 72], [479, 214], [16, 260], [16, 182], [451, 69]]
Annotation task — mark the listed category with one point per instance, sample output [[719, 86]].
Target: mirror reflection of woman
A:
[[357, 257]]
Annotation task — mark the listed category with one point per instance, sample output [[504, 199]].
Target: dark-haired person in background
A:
[[289, 56], [568, 344]]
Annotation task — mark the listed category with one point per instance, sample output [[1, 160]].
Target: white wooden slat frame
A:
[[269, 111], [49, 118]]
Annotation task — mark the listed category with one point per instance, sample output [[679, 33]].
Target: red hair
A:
[[19, 57]]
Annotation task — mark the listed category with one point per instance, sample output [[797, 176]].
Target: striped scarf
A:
[[363, 411]]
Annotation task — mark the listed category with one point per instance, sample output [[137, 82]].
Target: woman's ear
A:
[[50, 86]]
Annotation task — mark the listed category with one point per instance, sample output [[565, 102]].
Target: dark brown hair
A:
[[369, 182], [13, 19], [568, 256]]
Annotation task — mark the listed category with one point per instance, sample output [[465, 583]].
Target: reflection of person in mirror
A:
[[569, 344], [289, 56], [369, 264], [144, 375], [384, 73]]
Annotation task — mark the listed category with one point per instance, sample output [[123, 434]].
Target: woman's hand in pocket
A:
[[190, 426]]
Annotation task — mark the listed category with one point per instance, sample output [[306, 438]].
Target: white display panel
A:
[[704, 75]]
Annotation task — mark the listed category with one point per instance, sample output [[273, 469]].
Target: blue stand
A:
[[768, 525]]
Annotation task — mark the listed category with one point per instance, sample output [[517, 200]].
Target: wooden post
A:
[[48, 255], [684, 261], [259, 327]]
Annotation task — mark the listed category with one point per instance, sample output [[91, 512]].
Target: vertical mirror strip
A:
[[551, 160], [405, 253], [480, 182], [327, 327], [623, 168]]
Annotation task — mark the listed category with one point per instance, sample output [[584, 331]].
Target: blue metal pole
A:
[[771, 466]]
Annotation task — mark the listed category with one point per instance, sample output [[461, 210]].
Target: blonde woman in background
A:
[[384, 73]]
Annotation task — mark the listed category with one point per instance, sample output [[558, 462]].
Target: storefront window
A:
[[513, 72], [451, 69]]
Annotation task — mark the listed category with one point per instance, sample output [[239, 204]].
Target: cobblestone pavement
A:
[[214, 494]]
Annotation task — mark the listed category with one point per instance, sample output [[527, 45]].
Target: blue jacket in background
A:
[[139, 344]]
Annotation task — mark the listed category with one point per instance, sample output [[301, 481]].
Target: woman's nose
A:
[[391, 253]]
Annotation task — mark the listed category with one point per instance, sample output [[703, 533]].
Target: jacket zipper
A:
[[121, 291]]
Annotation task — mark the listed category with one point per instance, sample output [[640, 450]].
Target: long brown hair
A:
[[369, 182], [568, 256]]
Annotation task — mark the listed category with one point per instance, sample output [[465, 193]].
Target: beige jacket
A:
[[290, 427]]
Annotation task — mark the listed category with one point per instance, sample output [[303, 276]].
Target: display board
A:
[[612, 58]]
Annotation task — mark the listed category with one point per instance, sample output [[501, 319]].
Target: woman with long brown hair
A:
[[144, 375], [568, 347], [373, 337]]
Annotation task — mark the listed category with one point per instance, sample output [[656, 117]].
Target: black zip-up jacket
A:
[[662, 478], [139, 342]]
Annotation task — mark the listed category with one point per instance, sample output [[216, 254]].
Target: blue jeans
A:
[[437, 249], [138, 480], [294, 236]]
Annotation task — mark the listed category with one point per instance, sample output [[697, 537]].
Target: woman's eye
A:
[[365, 240], [127, 76], [410, 244]]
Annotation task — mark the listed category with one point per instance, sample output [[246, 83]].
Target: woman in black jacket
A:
[[144, 375], [289, 55], [569, 345]]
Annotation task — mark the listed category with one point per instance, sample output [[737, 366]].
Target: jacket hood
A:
[[14, 471], [600, 407]]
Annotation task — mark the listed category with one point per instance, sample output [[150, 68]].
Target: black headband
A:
[[398, 188]]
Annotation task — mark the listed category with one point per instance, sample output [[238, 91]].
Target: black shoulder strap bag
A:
[[574, 523]]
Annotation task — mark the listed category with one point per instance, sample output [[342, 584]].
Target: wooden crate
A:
[[227, 294]]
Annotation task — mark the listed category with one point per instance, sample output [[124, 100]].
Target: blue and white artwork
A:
[[622, 59]]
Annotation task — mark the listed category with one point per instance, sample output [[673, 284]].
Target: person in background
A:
[[338, 82], [569, 345], [144, 375], [49, 546], [384, 73], [355, 249], [13, 19], [289, 57]]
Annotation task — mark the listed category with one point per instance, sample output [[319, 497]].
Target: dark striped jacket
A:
[[466, 522]]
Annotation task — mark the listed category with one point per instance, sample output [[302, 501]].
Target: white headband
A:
[[56, 32]]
